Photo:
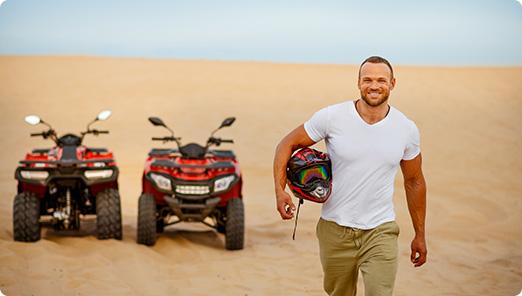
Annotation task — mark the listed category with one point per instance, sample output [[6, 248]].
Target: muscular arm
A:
[[296, 139], [415, 187]]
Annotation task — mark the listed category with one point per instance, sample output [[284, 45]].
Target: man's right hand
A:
[[285, 206]]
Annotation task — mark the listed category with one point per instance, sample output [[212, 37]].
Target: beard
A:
[[377, 101]]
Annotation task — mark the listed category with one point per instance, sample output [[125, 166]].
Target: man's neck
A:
[[372, 114]]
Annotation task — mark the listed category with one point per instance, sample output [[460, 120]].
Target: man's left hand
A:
[[418, 251]]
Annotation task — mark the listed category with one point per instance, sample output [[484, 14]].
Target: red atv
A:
[[57, 185], [193, 184]]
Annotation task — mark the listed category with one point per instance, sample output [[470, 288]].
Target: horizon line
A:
[[262, 61]]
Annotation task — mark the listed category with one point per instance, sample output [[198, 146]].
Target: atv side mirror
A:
[[104, 115], [156, 121], [228, 122], [33, 119]]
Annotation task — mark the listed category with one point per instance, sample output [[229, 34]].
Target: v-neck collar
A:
[[380, 122]]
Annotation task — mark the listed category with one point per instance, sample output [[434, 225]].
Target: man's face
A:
[[375, 83]]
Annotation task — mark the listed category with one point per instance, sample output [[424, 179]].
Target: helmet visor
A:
[[312, 173]]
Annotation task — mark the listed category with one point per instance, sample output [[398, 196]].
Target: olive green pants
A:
[[345, 250]]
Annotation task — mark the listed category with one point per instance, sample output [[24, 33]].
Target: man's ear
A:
[[393, 82]]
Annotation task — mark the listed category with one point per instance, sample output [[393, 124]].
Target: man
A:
[[366, 140]]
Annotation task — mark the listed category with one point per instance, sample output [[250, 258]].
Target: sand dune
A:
[[471, 128]]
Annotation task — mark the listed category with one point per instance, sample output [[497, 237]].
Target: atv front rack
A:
[[66, 162], [171, 164], [90, 149], [168, 151]]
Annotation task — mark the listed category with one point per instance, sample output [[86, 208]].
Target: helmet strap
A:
[[301, 201]]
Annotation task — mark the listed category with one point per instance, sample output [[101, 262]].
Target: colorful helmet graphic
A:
[[309, 175]]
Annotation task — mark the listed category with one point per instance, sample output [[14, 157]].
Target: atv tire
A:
[[26, 217], [108, 215], [147, 220], [235, 225]]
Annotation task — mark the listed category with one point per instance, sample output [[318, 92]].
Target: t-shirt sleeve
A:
[[413, 144], [317, 126]]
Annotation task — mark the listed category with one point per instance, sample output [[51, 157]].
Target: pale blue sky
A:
[[469, 32]]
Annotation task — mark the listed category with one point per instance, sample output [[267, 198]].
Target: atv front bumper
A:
[[187, 210]]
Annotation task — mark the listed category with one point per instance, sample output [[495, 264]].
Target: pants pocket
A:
[[388, 228]]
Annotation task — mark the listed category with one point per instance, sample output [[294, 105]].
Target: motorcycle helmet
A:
[[309, 175]]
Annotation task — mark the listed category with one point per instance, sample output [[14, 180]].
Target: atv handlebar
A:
[[46, 134], [165, 139], [217, 141], [94, 132]]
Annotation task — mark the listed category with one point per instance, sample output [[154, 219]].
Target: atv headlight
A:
[[34, 175], [223, 183], [162, 182], [98, 174]]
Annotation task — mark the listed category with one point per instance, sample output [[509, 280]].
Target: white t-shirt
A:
[[365, 159]]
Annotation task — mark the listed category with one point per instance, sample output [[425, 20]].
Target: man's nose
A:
[[374, 85]]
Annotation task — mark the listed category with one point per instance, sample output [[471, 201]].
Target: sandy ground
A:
[[471, 128]]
